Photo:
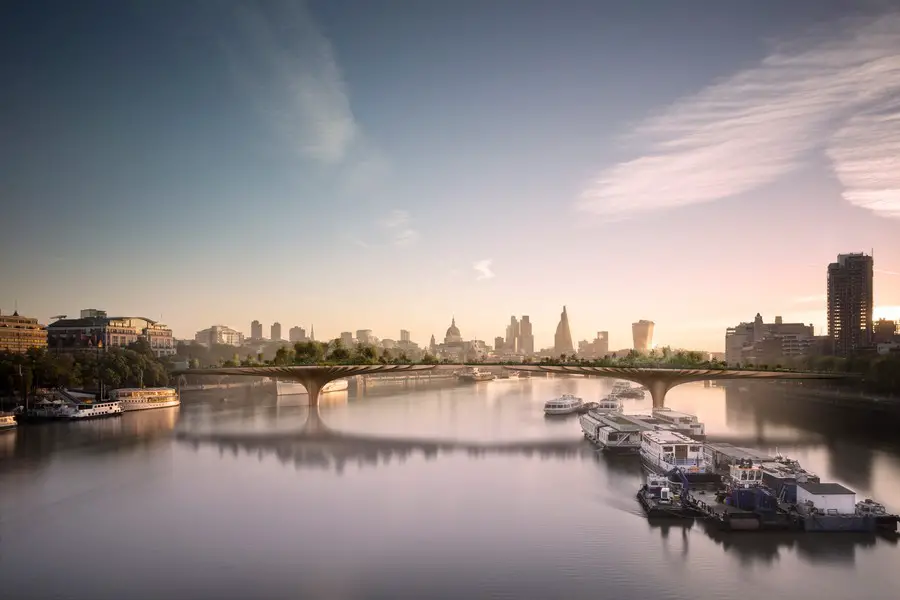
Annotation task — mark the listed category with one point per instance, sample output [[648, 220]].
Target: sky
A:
[[387, 165]]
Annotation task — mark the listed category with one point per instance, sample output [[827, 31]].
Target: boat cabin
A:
[[672, 449], [826, 498], [745, 474]]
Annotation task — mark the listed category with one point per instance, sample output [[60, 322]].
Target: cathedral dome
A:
[[453, 334]]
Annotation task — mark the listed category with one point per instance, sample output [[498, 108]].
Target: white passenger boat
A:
[[624, 389], [663, 451], [7, 421], [87, 408], [564, 405], [608, 405], [295, 388], [145, 398]]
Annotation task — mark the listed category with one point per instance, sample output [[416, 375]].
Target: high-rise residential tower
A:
[[256, 330], [642, 332], [850, 303], [562, 341], [275, 332]]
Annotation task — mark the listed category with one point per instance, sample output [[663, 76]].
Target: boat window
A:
[[667, 448], [695, 448]]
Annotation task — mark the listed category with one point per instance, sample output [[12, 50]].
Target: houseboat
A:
[[564, 405], [665, 451], [474, 375], [833, 507], [7, 421], [685, 423], [295, 388], [145, 398]]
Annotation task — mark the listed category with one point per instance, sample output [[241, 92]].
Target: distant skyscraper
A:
[[642, 332], [275, 332], [404, 335], [499, 343], [512, 335], [601, 344], [312, 333], [256, 330], [526, 338], [364, 336], [850, 303], [297, 334], [563, 338], [346, 339]]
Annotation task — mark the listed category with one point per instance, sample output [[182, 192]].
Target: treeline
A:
[[133, 366], [879, 372]]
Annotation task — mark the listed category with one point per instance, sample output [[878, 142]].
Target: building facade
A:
[[768, 343], [219, 335], [562, 340], [850, 303], [95, 326], [404, 336], [275, 332], [20, 334], [297, 334], [642, 334], [256, 329], [526, 336]]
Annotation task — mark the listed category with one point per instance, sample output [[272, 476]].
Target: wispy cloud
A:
[[399, 227], [883, 272], [811, 299], [483, 268], [839, 94], [281, 57]]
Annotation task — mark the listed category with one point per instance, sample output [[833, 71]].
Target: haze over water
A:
[[226, 499]]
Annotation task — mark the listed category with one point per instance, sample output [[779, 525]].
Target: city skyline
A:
[[374, 169]]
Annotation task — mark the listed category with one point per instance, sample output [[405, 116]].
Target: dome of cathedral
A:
[[453, 332]]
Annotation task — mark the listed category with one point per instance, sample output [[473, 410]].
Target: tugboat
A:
[[661, 497]]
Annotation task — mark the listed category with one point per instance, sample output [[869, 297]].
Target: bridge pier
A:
[[658, 389]]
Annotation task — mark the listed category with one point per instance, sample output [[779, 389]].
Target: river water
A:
[[451, 492]]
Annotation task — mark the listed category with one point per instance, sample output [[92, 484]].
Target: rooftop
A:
[[825, 489], [668, 437]]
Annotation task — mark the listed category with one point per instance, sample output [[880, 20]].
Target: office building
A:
[[19, 334], [94, 327], [562, 340], [513, 331], [275, 332], [642, 334], [884, 332], [347, 339], [404, 336], [768, 343], [256, 333], [850, 303], [499, 344], [364, 336], [297, 334], [219, 334], [526, 337]]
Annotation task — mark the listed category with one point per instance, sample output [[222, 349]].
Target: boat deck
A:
[[723, 455]]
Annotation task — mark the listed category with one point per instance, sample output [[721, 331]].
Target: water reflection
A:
[[316, 445]]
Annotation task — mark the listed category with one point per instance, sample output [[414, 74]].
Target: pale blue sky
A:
[[387, 165]]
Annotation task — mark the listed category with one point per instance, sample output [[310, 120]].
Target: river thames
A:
[[450, 492]]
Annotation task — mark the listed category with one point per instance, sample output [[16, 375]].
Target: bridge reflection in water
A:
[[316, 445]]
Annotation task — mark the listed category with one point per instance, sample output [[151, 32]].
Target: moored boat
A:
[[665, 451], [474, 375], [88, 408], [7, 422], [685, 423], [145, 398], [563, 405]]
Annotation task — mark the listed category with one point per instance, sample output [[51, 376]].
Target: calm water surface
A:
[[455, 492]]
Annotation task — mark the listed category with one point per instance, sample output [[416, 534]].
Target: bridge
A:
[[657, 380]]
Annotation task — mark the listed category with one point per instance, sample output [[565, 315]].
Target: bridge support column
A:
[[658, 389]]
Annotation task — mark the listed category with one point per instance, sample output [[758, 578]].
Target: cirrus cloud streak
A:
[[837, 95]]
